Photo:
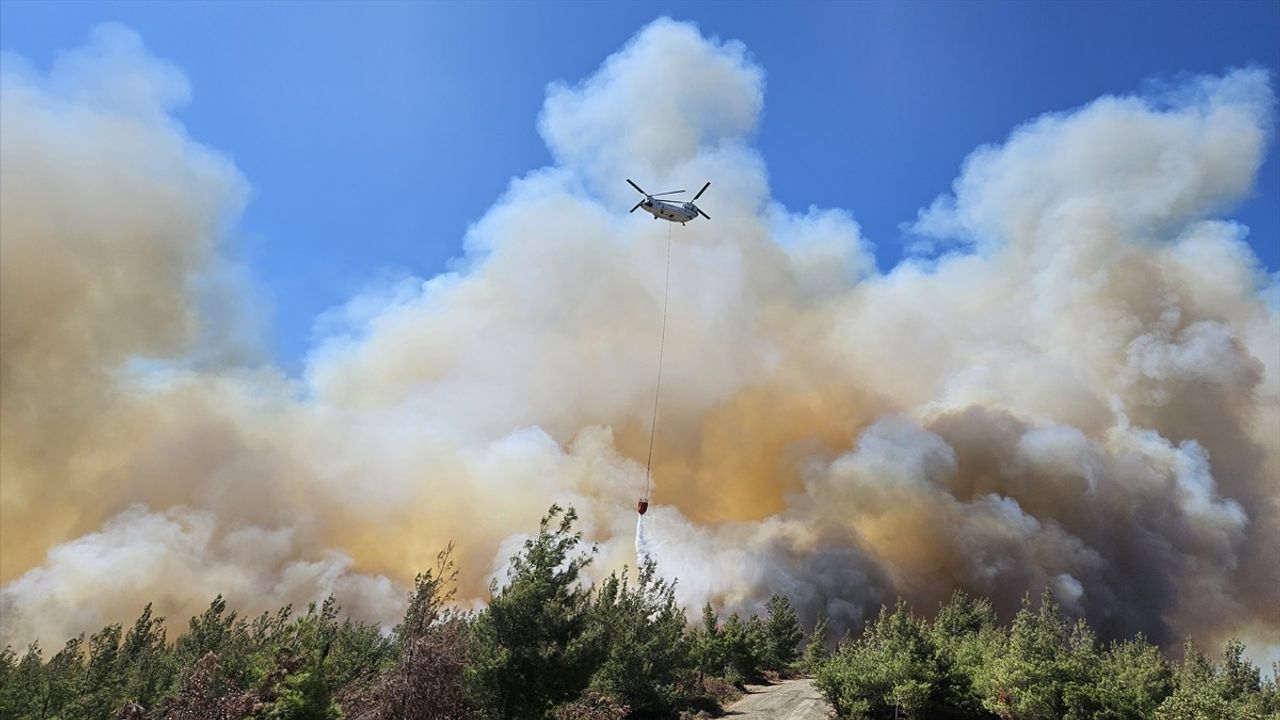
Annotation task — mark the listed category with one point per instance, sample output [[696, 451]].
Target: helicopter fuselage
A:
[[670, 211]]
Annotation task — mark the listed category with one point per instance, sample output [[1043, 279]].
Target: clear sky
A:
[[372, 134]]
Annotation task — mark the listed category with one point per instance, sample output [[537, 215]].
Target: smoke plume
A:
[[1078, 389]]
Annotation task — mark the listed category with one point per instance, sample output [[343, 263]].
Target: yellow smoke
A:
[[1083, 395]]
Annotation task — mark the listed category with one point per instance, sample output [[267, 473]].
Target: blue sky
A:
[[373, 134]]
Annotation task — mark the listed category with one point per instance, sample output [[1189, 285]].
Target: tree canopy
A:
[[549, 644]]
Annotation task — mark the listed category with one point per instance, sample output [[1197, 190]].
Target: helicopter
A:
[[670, 210]]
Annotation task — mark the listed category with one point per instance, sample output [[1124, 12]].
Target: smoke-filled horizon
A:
[[1082, 393]]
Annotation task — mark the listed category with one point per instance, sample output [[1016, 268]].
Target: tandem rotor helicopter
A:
[[670, 210]]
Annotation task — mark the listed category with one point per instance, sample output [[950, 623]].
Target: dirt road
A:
[[786, 700]]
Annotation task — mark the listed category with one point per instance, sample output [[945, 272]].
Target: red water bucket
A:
[[642, 505]]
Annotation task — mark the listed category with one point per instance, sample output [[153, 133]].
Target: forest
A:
[[549, 645]]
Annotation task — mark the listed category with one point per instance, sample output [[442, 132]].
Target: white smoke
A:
[[180, 559], [1083, 395]]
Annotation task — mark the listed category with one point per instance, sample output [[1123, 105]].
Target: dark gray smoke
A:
[[1084, 394]]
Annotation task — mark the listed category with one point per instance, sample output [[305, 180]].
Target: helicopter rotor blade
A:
[[637, 205], [695, 207], [637, 187], [704, 189], [669, 192]]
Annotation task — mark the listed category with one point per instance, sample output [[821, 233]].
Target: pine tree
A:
[[530, 649], [648, 655], [783, 634], [64, 678], [1026, 681], [815, 652], [968, 639], [1133, 679], [888, 672], [145, 661], [1196, 695], [102, 691], [22, 691]]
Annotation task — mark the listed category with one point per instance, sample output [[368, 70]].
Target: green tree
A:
[[905, 667], [967, 638], [647, 656], [1240, 679], [1196, 695], [361, 651], [744, 645], [224, 633], [1133, 678], [1230, 691], [889, 672], [302, 694], [102, 688], [22, 689], [782, 632], [815, 652], [297, 683], [1029, 680], [8, 673], [530, 650], [146, 663], [1078, 674], [1271, 693], [709, 653], [64, 679]]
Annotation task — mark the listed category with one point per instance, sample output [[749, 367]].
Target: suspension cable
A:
[[662, 346]]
